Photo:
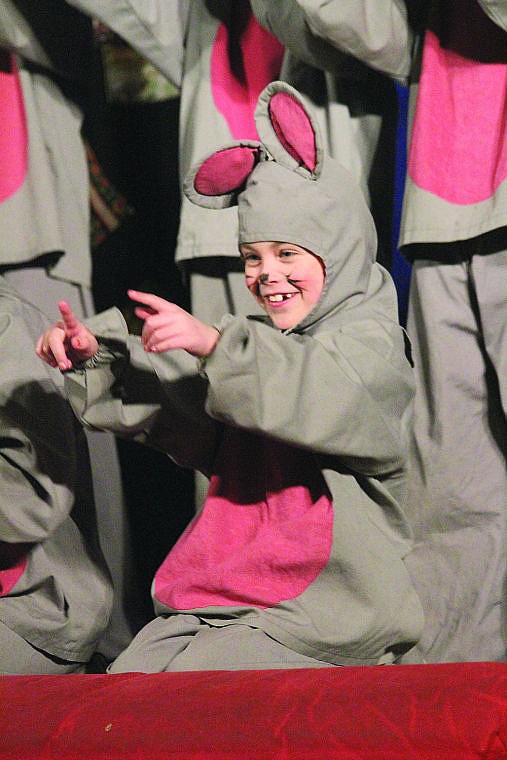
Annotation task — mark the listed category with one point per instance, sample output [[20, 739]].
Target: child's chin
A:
[[283, 323]]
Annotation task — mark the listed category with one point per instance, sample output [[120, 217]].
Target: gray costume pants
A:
[[457, 471]]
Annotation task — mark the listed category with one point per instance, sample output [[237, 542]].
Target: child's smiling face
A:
[[285, 279]]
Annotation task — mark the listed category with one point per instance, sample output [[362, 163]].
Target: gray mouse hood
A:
[[288, 189]]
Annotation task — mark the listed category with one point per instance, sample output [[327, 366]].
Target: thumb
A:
[[82, 343]]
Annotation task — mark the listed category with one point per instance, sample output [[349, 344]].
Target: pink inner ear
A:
[[225, 171], [294, 129]]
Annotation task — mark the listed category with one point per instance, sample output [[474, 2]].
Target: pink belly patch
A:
[[252, 546], [459, 143]]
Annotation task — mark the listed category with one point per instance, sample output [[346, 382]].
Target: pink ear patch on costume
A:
[[294, 129], [13, 133], [225, 171]]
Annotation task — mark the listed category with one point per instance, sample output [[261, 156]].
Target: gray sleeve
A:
[[155, 28], [496, 10], [342, 396], [322, 33], [157, 400], [17, 35]]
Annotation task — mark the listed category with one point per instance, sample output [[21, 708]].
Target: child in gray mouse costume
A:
[[298, 418]]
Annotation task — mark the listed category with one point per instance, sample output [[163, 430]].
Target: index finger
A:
[[70, 320], [148, 299]]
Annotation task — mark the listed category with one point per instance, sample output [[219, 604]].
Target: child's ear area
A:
[[322, 264], [288, 130], [217, 180]]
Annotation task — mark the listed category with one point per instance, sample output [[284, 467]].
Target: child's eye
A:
[[251, 258], [286, 254]]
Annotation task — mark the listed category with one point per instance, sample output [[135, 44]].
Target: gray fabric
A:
[[216, 287], [18, 657], [457, 496], [156, 28], [457, 467], [113, 527], [183, 642], [174, 420], [496, 10], [426, 218], [62, 601], [45, 229], [327, 34], [429, 219], [331, 57], [53, 200]]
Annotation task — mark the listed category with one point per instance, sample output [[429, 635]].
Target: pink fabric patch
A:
[[459, 144], [251, 545], [225, 171], [235, 100], [11, 575], [13, 133], [294, 129]]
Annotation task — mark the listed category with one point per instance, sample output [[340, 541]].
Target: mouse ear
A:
[[217, 180], [288, 131]]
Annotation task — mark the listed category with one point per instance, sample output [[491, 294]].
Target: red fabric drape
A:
[[408, 712]]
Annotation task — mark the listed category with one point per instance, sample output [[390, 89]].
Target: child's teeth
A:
[[279, 297]]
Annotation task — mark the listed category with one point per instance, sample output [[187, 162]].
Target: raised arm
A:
[[322, 32], [155, 28]]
